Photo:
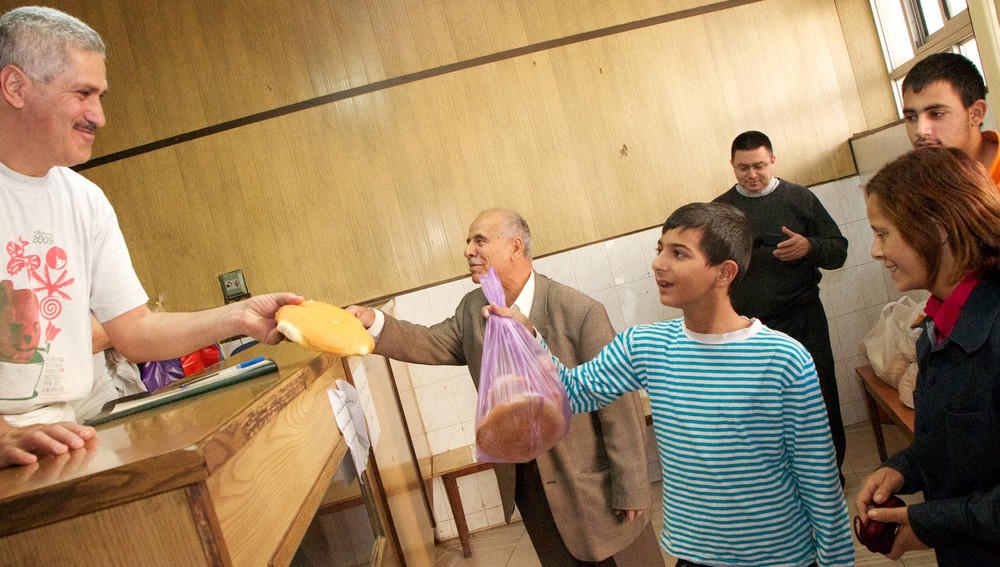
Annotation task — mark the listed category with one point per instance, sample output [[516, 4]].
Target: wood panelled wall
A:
[[395, 122]]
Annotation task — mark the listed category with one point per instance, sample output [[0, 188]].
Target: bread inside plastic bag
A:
[[522, 409]]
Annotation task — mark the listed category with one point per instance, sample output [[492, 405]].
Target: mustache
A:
[[86, 125]]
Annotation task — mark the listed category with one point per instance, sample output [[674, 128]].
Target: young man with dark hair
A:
[[944, 103]]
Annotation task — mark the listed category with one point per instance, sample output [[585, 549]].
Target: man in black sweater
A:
[[794, 236]]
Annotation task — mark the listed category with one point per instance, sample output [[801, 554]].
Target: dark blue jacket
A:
[[955, 457]]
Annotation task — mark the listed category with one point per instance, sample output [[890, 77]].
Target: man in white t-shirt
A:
[[63, 251]]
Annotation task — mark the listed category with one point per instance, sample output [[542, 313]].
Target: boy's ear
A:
[[977, 112], [727, 272]]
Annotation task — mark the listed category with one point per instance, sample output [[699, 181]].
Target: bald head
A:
[[511, 225], [500, 239]]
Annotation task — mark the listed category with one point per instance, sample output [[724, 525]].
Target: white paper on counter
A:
[[360, 378], [351, 420]]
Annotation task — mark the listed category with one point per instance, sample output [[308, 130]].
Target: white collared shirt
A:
[[762, 193], [526, 298]]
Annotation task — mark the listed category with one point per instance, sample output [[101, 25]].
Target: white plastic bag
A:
[[891, 344]]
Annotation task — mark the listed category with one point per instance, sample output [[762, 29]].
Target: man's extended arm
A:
[[99, 338], [141, 335], [441, 343]]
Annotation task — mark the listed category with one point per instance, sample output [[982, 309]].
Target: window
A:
[[926, 17], [967, 48], [910, 29], [894, 31], [908, 26]]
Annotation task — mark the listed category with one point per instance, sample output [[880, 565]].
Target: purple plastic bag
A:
[[159, 373], [523, 409]]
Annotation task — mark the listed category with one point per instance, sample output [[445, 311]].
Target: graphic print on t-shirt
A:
[[29, 314]]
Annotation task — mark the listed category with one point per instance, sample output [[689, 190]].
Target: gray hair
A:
[[513, 225], [38, 40]]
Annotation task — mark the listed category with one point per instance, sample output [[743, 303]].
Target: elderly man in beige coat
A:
[[586, 501]]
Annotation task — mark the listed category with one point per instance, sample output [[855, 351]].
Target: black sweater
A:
[[772, 287]]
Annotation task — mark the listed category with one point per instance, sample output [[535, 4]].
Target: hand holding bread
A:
[[324, 327]]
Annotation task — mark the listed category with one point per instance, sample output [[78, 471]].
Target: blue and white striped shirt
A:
[[749, 472]]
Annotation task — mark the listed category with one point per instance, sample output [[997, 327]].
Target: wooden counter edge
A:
[[293, 535], [228, 440], [96, 492], [160, 474]]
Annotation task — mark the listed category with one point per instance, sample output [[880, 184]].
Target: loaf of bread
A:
[[520, 424], [324, 327]]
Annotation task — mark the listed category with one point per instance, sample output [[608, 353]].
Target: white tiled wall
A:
[[618, 274]]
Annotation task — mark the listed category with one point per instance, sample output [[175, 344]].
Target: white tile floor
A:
[[509, 546]]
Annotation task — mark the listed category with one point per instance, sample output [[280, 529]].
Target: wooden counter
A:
[[881, 397], [229, 477]]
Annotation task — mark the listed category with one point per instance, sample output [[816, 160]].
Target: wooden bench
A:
[[460, 462], [882, 396], [450, 466]]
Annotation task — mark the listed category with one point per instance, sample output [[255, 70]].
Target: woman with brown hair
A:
[[936, 219]]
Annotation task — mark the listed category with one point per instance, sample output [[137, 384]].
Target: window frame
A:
[[956, 31]]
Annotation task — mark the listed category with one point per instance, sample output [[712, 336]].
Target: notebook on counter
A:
[[182, 389]]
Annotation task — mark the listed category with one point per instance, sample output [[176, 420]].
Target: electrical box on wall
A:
[[234, 287]]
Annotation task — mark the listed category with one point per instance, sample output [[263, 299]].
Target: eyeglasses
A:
[[757, 167]]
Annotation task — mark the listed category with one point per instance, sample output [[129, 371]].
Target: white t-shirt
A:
[[63, 257]]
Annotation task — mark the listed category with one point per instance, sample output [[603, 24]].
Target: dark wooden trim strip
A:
[[206, 523], [866, 133], [410, 78]]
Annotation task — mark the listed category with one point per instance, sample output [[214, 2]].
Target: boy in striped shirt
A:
[[749, 472]]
